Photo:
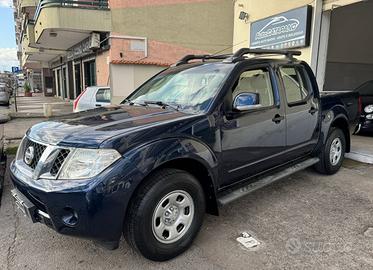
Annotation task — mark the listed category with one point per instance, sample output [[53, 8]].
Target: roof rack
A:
[[237, 56], [202, 57]]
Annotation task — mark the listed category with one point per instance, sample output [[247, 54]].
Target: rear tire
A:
[[165, 215], [332, 155]]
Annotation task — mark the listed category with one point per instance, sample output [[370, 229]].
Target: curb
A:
[[4, 118], [2, 175], [361, 157]]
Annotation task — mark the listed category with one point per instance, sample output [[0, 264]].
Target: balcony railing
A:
[[85, 4]]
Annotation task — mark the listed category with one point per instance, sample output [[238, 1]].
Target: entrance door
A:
[[59, 88], [78, 79], [90, 73], [64, 83], [253, 140], [302, 111]]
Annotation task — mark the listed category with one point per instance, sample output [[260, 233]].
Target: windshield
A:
[[188, 88]]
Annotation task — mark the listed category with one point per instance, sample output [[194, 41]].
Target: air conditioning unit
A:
[[94, 41]]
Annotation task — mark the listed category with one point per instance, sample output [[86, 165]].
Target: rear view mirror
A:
[[246, 101]]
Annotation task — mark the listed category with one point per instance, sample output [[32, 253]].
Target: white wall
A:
[[124, 79]]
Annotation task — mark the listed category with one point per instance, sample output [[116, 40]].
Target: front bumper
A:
[[92, 209], [29, 209]]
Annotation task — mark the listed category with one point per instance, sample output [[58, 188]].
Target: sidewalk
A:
[[4, 114], [361, 148], [33, 106], [29, 112]]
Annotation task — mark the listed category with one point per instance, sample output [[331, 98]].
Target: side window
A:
[[103, 95], [296, 84], [256, 81]]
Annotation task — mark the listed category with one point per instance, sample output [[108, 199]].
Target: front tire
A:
[[332, 155], [165, 215]]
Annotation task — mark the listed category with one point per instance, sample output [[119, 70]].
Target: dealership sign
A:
[[290, 29]]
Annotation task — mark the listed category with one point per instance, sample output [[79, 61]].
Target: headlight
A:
[[369, 109], [87, 163]]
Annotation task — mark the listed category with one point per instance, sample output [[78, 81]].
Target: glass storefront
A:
[[72, 79]]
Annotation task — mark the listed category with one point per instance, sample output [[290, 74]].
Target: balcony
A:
[[28, 3], [30, 53], [60, 24]]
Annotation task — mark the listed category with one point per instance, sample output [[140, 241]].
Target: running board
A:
[[238, 193]]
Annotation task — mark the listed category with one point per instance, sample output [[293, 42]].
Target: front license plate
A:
[[26, 207]]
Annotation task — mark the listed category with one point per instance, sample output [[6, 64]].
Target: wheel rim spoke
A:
[[173, 216], [335, 151]]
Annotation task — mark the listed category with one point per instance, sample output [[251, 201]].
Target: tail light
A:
[[360, 105], [76, 101]]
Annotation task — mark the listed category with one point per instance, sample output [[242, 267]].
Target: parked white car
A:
[[92, 97]]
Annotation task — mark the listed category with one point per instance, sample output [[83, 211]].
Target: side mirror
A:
[[246, 101]]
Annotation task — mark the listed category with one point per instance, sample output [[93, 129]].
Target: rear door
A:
[[302, 110]]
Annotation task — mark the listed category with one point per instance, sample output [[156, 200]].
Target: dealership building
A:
[[334, 36]]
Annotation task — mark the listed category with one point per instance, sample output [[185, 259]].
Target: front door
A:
[[302, 111], [253, 140]]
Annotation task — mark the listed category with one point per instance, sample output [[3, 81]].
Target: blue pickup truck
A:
[[195, 137]]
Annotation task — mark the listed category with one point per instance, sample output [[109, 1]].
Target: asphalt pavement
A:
[[307, 221]]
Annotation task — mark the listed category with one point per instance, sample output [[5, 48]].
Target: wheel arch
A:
[[202, 174], [342, 123], [187, 154]]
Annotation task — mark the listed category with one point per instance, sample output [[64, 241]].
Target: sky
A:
[[8, 49]]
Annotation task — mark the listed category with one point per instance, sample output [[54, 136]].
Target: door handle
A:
[[313, 110], [349, 104], [98, 105], [278, 118]]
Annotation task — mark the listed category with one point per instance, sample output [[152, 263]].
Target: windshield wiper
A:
[[126, 100], [130, 102], [162, 104]]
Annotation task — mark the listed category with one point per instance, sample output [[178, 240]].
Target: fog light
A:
[[369, 116], [70, 217]]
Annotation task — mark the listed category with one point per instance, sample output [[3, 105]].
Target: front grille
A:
[[62, 155], [38, 151]]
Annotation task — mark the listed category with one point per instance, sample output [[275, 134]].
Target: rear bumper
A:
[[93, 210], [4, 101], [366, 125]]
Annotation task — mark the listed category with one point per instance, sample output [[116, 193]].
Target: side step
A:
[[238, 193]]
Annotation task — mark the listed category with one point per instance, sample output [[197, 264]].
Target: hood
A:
[[91, 128]]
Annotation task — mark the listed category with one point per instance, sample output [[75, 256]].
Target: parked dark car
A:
[[4, 96], [192, 138], [366, 97]]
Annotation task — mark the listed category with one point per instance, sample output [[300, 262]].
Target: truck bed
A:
[[346, 100]]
